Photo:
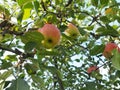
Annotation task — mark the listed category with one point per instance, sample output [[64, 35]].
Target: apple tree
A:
[[59, 44]]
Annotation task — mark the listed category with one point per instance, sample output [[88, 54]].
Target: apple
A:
[[72, 31], [51, 35], [91, 69], [109, 47], [110, 11]]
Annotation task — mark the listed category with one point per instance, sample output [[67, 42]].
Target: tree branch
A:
[[17, 52], [60, 83], [16, 32]]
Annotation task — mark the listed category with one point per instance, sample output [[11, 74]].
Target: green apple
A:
[[72, 31]]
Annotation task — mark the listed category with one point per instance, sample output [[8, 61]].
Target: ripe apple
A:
[[72, 31], [91, 69], [109, 47], [51, 35]]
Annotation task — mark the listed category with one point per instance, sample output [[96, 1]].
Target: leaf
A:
[[39, 22], [32, 36], [104, 19], [82, 31], [5, 11], [81, 16], [23, 2], [94, 2], [29, 46], [11, 58], [5, 65], [107, 31], [91, 86], [36, 6], [50, 18], [26, 13], [5, 75], [104, 2], [90, 27], [53, 70], [118, 18], [116, 59], [7, 83], [2, 85], [31, 68], [39, 81], [19, 84], [28, 5], [50, 53], [97, 49], [20, 16], [117, 74]]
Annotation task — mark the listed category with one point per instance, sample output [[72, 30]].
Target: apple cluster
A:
[[52, 34]]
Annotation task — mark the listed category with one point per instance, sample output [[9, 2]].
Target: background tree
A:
[[76, 62]]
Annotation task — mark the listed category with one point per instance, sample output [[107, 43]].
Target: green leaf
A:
[[90, 28], [82, 31], [23, 2], [5, 11], [39, 22], [19, 84], [91, 86], [97, 49], [117, 18], [116, 59], [107, 31], [2, 85], [94, 2], [117, 74], [39, 81], [51, 18], [31, 68], [36, 6], [50, 53], [29, 46], [81, 16], [6, 83], [104, 19], [26, 13], [28, 5], [5, 65], [5, 74], [11, 58], [32, 36], [20, 16], [53, 70], [104, 2]]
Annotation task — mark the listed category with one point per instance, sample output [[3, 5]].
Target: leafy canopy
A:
[[33, 67]]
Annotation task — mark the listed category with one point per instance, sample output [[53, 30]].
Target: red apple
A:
[[109, 47], [91, 69], [51, 35], [72, 31]]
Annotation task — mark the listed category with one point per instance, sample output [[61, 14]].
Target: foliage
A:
[[30, 66]]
